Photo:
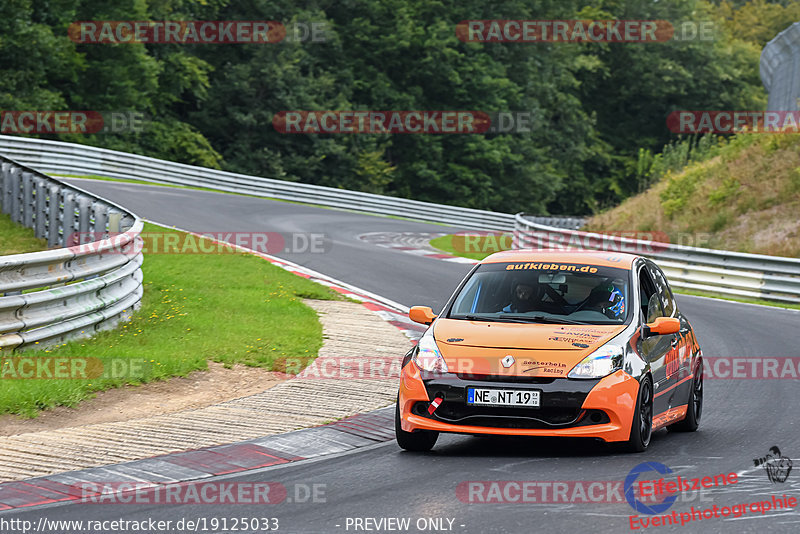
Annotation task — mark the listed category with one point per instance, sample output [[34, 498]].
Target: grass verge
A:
[[142, 182], [473, 246], [226, 307], [745, 300]]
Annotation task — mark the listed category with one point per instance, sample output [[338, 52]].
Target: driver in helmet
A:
[[607, 299], [524, 298], [529, 296]]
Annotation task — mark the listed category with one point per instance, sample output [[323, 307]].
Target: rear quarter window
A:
[[663, 290]]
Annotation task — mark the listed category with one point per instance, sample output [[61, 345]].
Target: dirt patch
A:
[[198, 390], [773, 231]]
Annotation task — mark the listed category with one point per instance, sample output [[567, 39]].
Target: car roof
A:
[[602, 258]]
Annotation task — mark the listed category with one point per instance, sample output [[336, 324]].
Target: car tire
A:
[[694, 408], [419, 441], [642, 423]]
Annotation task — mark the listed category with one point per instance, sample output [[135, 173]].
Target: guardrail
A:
[[69, 158], [780, 69], [70, 292], [718, 271]]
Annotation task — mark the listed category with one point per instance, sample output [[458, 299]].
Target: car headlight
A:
[[427, 357], [599, 363]]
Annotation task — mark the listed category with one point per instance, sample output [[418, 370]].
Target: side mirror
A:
[[422, 315], [662, 326]]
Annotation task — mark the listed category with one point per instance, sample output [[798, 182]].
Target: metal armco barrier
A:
[[69, 158], [64, 293], [718, 271], [780, 69]]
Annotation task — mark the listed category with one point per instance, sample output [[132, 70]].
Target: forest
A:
[[598, 110]]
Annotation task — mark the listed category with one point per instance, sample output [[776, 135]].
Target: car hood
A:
[[482, 348]]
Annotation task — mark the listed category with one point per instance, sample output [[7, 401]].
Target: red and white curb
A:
[[416, 243], [191, 467], [346, 434], [393, 312]]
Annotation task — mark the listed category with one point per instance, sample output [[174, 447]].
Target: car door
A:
[[678, 364], [655, 348]]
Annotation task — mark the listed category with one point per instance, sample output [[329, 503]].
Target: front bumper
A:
[[601, 408]]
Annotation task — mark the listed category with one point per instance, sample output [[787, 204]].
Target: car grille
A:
[[507, 378], [502, 417]]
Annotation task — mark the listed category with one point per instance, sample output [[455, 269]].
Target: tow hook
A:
[[435, 404]]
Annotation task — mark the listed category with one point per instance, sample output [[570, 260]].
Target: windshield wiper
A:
[[489, 319], [544, 319]]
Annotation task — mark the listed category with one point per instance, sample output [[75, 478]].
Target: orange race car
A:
[[553, 343]]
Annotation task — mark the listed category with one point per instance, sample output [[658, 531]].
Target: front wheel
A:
[[642, 424], [419, 441], [695, 405]]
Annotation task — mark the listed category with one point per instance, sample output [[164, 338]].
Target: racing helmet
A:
[[609, 298]]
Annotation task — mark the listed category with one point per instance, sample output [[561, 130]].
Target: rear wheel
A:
[[642, 424], [695, 405], [419, 441]]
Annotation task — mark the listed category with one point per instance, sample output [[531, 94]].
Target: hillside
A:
[[746, 199]]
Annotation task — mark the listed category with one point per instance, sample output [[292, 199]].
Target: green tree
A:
[[638, 85]]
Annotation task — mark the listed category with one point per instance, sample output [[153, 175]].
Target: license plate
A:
[[503, 397]]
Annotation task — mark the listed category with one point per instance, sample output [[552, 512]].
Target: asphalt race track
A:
[[742, 419], [386, 273]]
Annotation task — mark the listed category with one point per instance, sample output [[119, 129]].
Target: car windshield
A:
[[536, 292]]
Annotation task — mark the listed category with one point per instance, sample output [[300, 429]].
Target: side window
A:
[[651, 304], [664, 292]]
